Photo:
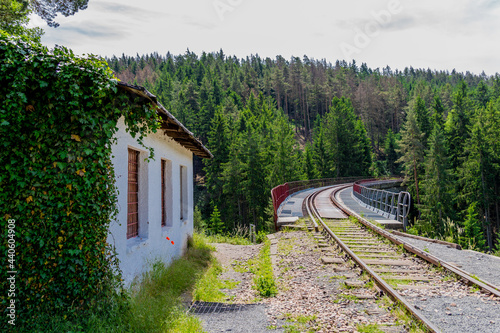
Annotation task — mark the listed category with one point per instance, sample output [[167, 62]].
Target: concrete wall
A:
[[139, 253]]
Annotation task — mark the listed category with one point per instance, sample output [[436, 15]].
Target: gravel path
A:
[[231, 257], [484, 266]]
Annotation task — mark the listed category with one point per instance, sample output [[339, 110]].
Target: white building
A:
[[155, 198]]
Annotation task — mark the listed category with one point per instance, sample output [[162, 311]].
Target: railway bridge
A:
[[363, 219], [375, 199]]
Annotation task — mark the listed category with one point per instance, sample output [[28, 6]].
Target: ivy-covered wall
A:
[[58, 115]]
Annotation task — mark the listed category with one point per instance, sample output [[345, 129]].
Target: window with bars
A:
[[163, 190], [133, 194], [183, 192]]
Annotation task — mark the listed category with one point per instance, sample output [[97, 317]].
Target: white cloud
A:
[[443, 34]]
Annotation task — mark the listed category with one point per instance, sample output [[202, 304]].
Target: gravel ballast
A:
[[484, 266], [467, 314]]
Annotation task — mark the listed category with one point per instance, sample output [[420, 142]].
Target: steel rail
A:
[[486, 286], [308, 203], [378, 280]]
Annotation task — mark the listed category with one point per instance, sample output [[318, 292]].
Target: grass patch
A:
[[301, 323], [449, 277], [398, 311], [264, 280], [369, 328], [342, 298], [288, 229], [234, 239], [285, 246], [395, 282], [245, 266], [154, 303], [208, 287]]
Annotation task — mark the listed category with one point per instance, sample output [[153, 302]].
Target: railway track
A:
[[396, 267]]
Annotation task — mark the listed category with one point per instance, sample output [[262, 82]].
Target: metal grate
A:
[[133, 194], [163, 212], [213, 307]]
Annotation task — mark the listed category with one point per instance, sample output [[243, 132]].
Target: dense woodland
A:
[[269, 121]]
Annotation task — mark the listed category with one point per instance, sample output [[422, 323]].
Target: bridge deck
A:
[[346, 197], [292, 207], [325, 208]]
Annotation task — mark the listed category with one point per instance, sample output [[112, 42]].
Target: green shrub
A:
[[266, 286], [261, 237], [264, 279], [237, 237]]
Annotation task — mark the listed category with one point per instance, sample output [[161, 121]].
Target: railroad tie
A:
[[354, 283], [329, 261]]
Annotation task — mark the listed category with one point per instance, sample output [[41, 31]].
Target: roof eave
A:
[[169, 123]]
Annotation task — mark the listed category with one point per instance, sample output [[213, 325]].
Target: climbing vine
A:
[[58, 117]]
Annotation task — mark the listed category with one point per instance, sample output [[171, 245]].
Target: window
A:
[[133, 194], [166, 194], [183, 192], [163, 192]]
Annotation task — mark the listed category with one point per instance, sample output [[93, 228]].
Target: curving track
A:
[[380, 254]]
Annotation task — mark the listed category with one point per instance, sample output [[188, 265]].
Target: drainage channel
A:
[[215, 307]]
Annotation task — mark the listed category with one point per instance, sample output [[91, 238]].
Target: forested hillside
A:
[[268, 121]]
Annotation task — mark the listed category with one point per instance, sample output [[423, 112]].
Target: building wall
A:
[[138, 254]]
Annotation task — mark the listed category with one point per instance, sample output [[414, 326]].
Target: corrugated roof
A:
[[171, 126]]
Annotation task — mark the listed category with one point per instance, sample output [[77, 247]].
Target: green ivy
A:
[[58, 118]]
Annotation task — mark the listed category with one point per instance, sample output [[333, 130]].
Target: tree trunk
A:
[[486, 214], [497, 207], [416, 180]]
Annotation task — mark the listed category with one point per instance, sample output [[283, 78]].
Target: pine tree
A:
[[481, 95], [391, 156], [346, 140], [478, 171], [218, 143], [233, 176], [321, 154], [216, 224], [436, 187], [457, 125], [254, 183], [362, 152], [411, 149], [473, 236], [422, 116], [309, 164], [284, 160], [438, 112]]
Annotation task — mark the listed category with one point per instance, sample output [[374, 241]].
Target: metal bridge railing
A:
[[392, 205]]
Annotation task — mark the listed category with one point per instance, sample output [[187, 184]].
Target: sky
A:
[[436, 34]]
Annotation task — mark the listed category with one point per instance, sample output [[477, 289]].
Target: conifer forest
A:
[[271, 121]]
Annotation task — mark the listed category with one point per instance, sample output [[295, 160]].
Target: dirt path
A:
[[234, 261]]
